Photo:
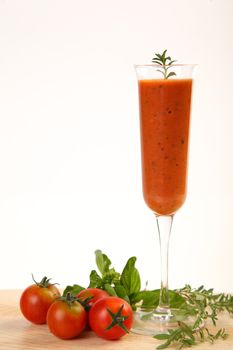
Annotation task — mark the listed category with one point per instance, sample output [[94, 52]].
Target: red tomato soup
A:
[[164, 121]]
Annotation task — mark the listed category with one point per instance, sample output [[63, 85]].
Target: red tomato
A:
[[36, 300], [66, 318], [93, 293], [111, 318]]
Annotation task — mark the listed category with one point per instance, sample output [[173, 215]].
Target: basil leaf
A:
[[110, 290], [75, 289], [102, 261], [121, 292], [130, 277], [176, 300], [149, 298], [95, 280]]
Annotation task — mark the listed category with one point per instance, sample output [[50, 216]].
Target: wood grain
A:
[[18, 334]]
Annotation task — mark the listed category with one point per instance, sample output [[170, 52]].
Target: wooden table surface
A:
[[16, 333]]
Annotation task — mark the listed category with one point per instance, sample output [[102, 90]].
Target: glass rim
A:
[[154, 65]]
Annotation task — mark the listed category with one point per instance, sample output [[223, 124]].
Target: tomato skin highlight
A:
[[93, 293], [100, 318], [66, 322], [35, 302]]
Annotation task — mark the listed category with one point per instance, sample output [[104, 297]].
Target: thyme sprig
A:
[[203, 304], [165, 62], [184, 336]]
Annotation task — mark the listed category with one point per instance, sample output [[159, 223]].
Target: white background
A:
[[70, 177]]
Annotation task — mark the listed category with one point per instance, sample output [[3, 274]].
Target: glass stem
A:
[[164, 225]]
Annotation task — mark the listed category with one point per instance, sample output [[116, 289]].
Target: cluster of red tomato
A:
[[68, 316]]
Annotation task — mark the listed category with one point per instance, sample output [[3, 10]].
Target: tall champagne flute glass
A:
[[165, 106]]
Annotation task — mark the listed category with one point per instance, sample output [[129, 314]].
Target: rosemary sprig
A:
[[165, 62], [204, 304]]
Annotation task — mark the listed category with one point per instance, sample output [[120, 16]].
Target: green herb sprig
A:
[[202, 304], [184, 336], [165, 62]]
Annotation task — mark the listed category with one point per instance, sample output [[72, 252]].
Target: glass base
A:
[[158, 321]]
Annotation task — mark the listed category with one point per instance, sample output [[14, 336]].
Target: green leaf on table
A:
[[164, 345], [162, 336], [187, 330]]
